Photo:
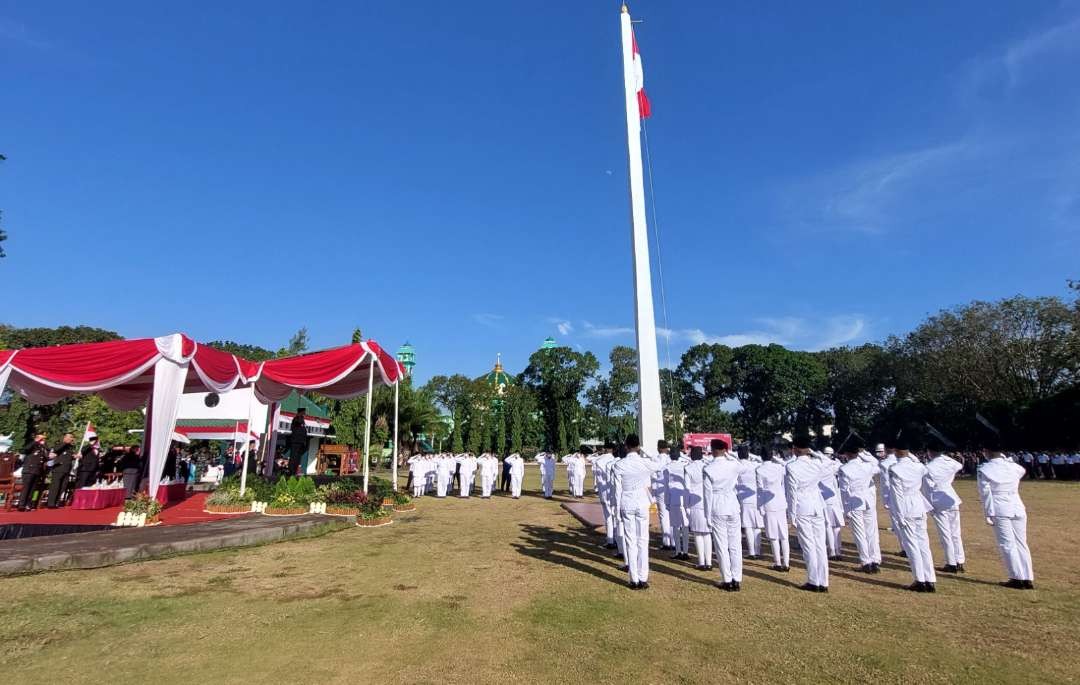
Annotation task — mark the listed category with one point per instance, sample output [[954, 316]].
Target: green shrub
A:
[[379, 489], [143, 504], [372, 508], [401, 497]]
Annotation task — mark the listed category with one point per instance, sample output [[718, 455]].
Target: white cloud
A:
[[792, 332], [1008, 67], [563, 326], [489, 320], [594, 331]]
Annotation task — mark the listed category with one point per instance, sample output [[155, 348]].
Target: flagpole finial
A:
[[625, 9]]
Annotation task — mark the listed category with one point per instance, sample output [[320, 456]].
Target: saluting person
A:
[[806, 511], [942, 470], [906, 481], [694, 477], [772, 501], [87, 472], [33, 468], [631, 478], [659, 495], [61, 470], [675, 488], [517, 473], [859, 498], [999, 488], [723, 511]]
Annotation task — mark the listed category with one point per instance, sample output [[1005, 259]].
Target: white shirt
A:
[[999, 488], [906, 479], [802, 485], [631, 477], [770, 486], [721, 486], [943, 470], [856, 480]]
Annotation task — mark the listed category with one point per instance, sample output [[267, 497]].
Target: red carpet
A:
[[174, 514]]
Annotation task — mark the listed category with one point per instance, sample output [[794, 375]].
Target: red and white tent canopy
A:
[[154, 372]]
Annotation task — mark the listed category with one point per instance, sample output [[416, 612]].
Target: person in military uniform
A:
[[131, 465], [33, 470], [61, 470], [87, 472], [298, 440]]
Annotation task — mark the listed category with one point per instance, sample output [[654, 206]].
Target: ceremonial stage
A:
[[185, 528]]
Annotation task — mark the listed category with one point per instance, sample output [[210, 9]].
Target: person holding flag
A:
[[86, 474]]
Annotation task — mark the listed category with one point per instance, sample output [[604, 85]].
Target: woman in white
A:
[[695, 509]]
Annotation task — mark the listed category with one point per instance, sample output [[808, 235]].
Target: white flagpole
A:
[[83, 441], [246, 450], [650, 413], [367, 423], [396, 384]]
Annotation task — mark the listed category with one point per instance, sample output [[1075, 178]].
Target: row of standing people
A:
[[437, 473], [718, 499]]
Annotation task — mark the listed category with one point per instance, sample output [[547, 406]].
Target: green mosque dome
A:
[[498, 377]]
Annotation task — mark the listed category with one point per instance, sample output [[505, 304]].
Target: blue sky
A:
[[454, 174]]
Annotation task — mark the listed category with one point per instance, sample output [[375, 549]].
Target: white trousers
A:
[[515, 485], [609, 520], [703, 547], [1012, 543], [465, 487], [665, 521], [487, 484], [916, 541], [441, 484], [680, 537], [417, 486], [858, 521], [635, 535], [776, 529], [832, 540], [948, 528], [873, 534], [726, 540], [577, 484], [548, 482], [811, 531]]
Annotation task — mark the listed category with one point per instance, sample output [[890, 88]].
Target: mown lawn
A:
[[508, 591]]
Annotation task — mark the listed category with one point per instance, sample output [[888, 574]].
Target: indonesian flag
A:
[[644, 109], [90, 432]]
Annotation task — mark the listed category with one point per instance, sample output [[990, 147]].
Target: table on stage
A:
[[103, 498]]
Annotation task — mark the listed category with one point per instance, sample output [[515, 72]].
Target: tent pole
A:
[[367, 423], [394, 480], [244, 452]]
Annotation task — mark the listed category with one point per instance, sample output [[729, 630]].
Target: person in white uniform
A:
[[859, 498], [886, 458], [834, 507], [445, 464], [417, 468], [694, 477], [601, 467], [631, 477], [806, 511], [675, 487], [772, 501], [998, 482], [746, 489], [907, 478], [942, 469], [517, 474], [659, 495], [723, 510], [575, 473], [468, 474], [547, 461], [489, 470]]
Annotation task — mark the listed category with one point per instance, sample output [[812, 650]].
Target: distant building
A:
[[548, 344], [497, 377], [407, 356]]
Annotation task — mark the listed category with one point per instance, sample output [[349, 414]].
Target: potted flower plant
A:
[[226, 499], [342, 503], [144, 505], [291, 497]]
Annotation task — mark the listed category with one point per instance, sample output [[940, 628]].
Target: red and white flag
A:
[[90, 432], [644, 108]]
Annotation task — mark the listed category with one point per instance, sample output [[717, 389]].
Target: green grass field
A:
[[506, 590]]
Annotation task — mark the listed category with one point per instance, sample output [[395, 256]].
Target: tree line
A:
[[1014, 362]]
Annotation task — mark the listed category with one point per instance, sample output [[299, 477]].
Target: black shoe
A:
[[675, 556], [1027, 585], [722, 586], [835, 558], [736, 586], [777, 567], [903, 554], [699, 567], [877, 567], [610, 545], [948, 568], [809, 587], [632, 585], [624, 567], [618, 555], [916, 587], [960, 568], [787, 569], [1013, 584], [684, 556], [821, 588], [867, 568], [643, 585], [929, 587]]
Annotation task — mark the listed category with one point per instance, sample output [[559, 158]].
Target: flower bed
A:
[[285, 511], [405, 507], [341, 510], [374, 522], [227, 508]]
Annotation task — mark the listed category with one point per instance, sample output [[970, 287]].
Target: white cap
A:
[[880, 447], [828, 450]]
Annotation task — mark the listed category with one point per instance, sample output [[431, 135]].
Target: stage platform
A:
[[189, 510], [119, 545]]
